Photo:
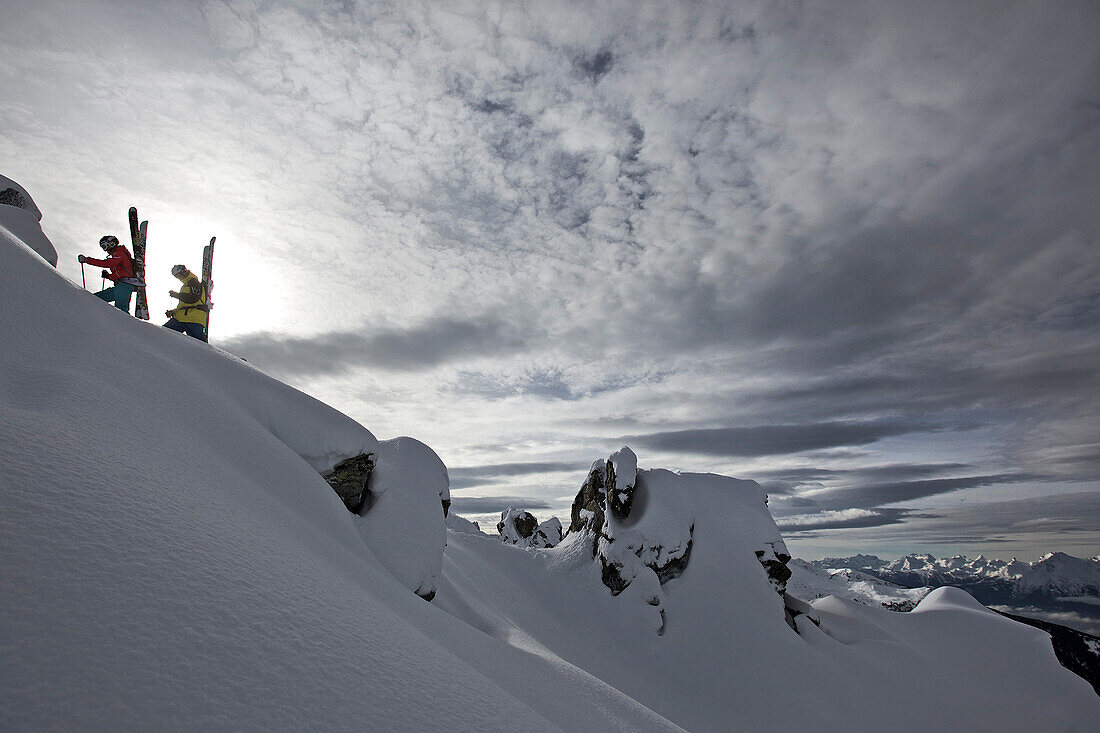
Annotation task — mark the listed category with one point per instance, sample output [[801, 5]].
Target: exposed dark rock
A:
[[676, 565], [446, 507], [605, 490], [588, 507], [604, 500], [899, 606], [523, 522], [349, 480], [11, 197], [612, 577], [774, 558], [549, 532], [611, 571], [610, 499], [674, 568], [14, 195], [619, 498]]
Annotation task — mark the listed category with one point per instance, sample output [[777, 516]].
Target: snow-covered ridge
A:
[[173, 559]]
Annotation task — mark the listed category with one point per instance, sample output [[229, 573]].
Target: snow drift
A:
[[19, 215], [712, 648], [173, 559]]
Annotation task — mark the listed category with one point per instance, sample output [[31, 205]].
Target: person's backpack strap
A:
[[200, 302], [130, 261]]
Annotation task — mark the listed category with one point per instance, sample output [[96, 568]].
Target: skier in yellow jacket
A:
[[190, 315]]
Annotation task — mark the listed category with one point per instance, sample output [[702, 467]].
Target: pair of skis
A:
[[208, 281], [137, 239], [138, 234]]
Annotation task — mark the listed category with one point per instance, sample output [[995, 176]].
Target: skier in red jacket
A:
[[120, 271]]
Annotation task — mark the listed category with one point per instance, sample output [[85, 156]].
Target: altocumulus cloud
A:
[[846, 226]]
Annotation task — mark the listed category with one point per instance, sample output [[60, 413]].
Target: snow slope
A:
[[727, 659], [171, 559]]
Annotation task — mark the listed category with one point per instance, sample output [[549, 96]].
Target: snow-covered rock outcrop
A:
[[402, 518], [217, 582], [549, 533], [640, 525], [678, 645], [20, 216], [12, 194], [654, 542], [520, 527]]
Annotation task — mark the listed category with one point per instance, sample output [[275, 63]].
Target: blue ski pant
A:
[[194, 330], [119, 294]]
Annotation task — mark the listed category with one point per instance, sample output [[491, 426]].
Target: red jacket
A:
[[119, 262]]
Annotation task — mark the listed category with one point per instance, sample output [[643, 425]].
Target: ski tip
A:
[[212, 240], [133, 211]]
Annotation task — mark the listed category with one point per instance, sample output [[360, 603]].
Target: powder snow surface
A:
[[22, 224], [171, 559], [728, 661]]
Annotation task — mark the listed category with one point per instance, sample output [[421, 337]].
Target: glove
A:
[[168, 313], [105, 273], [173, 294], [81, 259]]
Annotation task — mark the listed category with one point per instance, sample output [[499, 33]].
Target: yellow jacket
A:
[[192, 306]]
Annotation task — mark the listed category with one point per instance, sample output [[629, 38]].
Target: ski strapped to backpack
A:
[[207, 281], [137, 239]]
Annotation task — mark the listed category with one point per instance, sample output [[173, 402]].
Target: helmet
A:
[[108, 242], [178, 270]]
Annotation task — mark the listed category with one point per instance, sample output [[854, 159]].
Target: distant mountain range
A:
[[810, 581], [1053, 581]]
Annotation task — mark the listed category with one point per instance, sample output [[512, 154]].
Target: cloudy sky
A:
[[847, 249]]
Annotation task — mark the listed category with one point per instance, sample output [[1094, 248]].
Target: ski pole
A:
[[83, 281]]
